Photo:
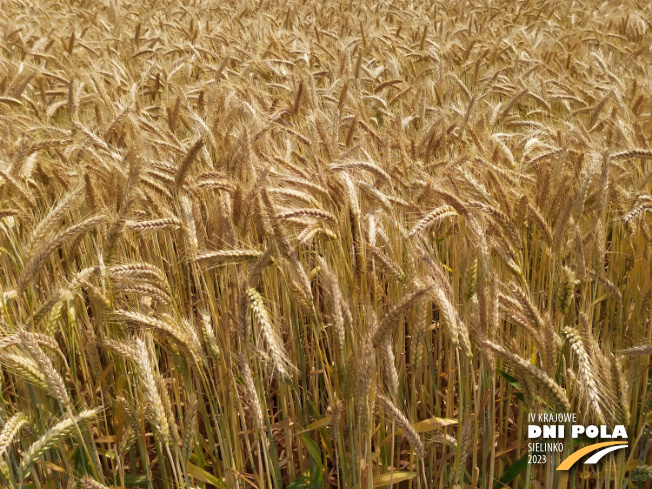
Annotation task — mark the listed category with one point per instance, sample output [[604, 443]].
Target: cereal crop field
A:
[[265, 244]]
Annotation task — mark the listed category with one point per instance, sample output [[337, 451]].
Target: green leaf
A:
[[512, 472], [201, 475], [313, 449], [312, 481], [514, 383], [317, 479], [135, 479], [320, 423], [512, 380], [300, 482], [130, 480]]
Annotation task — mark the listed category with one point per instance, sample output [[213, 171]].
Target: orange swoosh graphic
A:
[[571, 459]]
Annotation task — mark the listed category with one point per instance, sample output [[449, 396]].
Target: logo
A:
[[603, 449], [558, 428]]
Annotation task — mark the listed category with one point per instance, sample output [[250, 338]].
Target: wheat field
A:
[[315, 245]]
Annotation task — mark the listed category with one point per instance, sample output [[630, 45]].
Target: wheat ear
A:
[[44, 227], [402, 422], [154, 404], [527, 368], [39, 258], [51, 437], [335, 298], [275, 347], [390, 319], [251, 394], [389, 368], [9, 431], [54, 381], [585, 372], [190, 428], [88, 483]]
